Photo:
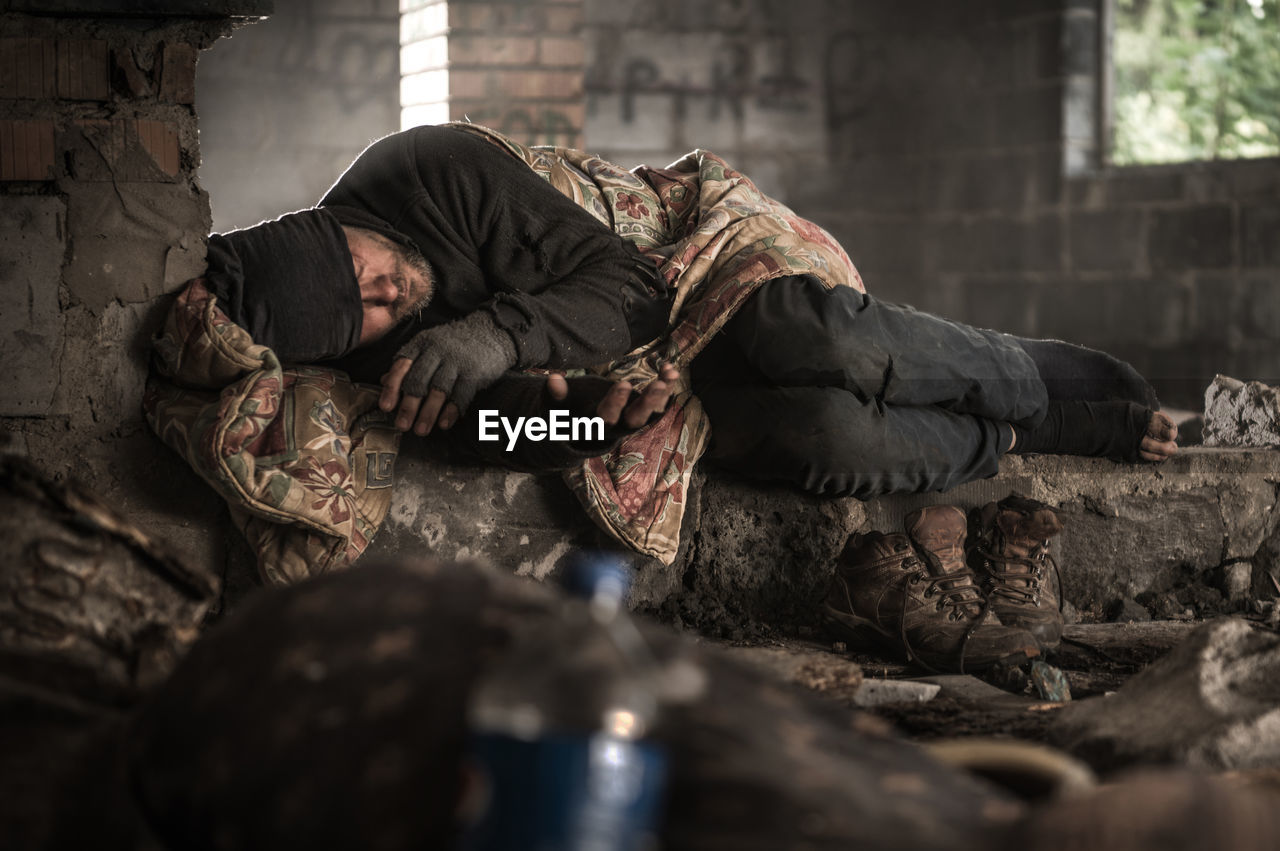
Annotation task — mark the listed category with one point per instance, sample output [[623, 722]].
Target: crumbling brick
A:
[[125, 150], [131, 80], [160, 140], [83, 71], [178, 73], [26, 150], [27, 68]]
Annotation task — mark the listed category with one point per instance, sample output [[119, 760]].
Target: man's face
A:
[[391, 287]]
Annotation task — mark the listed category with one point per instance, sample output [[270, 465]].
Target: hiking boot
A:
[[1009, 550], [913, 594]]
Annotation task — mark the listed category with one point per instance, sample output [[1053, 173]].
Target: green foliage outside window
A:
[[1196, 80]]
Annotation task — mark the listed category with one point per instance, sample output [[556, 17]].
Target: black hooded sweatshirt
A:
[[499, 238], [291, 284]]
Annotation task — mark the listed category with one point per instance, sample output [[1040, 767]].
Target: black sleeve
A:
[[568, 290], [523, 395]]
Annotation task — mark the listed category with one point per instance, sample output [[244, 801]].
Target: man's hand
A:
[[619, 407], [437, 373]]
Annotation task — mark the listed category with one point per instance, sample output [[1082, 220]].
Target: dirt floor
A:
[[1094, 658]]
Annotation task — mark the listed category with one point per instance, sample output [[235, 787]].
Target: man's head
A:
[[395, 281]]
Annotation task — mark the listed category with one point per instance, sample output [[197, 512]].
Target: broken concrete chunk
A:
[[1238, 413], [1126, 610], [1237, 580], [1213, 702], [874, 692]]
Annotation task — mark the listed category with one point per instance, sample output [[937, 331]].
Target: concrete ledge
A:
[[1196, 534]]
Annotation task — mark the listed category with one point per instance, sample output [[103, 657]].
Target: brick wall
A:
[[513, 66], [287, 103], [100, 215]]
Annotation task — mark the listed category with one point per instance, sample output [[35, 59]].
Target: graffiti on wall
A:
[[731, 78]]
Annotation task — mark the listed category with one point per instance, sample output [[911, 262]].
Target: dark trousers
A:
[[845, 395]]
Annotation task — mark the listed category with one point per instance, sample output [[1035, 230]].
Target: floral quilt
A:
[[302, 456], [716, 238]]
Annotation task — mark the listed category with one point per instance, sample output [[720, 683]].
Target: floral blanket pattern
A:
[[716, 238], [302, 456]]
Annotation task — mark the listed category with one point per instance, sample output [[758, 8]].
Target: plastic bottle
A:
[[559, 747]]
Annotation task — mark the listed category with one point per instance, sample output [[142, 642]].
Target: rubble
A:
[[1125, 610], [1239, 413], [1211, 703], [91, 609], [876, 692]]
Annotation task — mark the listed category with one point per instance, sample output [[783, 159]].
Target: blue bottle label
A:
[[567, 792]]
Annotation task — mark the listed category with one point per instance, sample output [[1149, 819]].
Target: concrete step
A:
[[1191, 537]]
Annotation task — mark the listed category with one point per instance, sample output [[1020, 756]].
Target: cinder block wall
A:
[[287, 103], [934, 138]]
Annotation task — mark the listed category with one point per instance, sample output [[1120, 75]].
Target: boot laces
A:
[[951, 598], [1021, 587]]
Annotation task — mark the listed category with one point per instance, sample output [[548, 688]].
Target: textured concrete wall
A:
[[950, 147], [286, 104]]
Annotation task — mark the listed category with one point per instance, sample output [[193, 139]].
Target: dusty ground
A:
[[1095, 658]]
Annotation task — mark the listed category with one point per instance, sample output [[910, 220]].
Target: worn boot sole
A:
[[862, 632], [1047, 633]]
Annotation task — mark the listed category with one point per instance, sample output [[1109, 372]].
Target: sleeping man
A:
[[468, 259], [314, 290]]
